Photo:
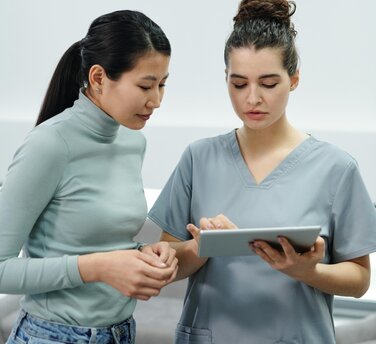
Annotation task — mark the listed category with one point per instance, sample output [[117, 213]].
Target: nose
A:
[[254, 96], [155, 100]]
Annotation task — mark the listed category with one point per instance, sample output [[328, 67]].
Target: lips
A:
[[144, 117], [255, 114]]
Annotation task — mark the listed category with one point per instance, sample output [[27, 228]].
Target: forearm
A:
[[38, 275], [89, 266], [188, 260], [344, 279]]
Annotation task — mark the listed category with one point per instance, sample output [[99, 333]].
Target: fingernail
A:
[[162, 265], [209, 226]]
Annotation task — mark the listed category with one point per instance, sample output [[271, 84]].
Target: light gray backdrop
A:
[[336, 40]]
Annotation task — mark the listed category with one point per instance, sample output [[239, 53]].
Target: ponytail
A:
[[64, 85]]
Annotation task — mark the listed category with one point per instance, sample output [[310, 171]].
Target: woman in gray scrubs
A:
[[266, 174]]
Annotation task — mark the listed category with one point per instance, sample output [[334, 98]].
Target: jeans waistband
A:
[[123, 332]]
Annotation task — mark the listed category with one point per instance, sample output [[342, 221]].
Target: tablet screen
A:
[[235, 242]]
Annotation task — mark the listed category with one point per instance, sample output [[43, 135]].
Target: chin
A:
[[134, 126], [256, 126]]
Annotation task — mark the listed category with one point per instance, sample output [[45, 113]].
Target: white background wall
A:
[[336, 40], [336, 96]]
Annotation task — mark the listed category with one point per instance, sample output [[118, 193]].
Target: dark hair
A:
[[265, 24], [114, 41]]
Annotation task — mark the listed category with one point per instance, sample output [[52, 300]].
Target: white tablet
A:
[[235, 242]]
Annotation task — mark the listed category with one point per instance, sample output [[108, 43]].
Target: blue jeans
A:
[[32, 330]]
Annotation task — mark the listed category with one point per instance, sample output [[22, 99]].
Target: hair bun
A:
[[276, 10]]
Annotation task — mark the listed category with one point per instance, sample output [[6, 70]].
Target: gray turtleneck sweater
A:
[[74, 187]]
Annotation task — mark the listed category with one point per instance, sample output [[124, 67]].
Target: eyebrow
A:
[[264, 76], [153, 78]]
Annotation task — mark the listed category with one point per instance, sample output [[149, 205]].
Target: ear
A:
[[294, 80], [226, 74], [96, 77]]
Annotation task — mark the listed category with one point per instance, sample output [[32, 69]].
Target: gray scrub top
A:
[[242, 299]]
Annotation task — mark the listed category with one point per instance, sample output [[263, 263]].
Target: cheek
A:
[[280, 99], [117, 105], [111, 97], [236, 99], [122, 99]]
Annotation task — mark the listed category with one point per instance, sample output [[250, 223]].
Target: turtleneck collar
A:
[[93, 117]]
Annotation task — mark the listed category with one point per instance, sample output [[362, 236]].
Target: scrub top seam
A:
[[355, 254], [166, 228]]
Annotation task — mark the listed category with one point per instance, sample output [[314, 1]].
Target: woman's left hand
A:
[[289, 261], [165, 253]]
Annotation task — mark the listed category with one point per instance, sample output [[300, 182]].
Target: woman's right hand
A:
[[133, 273], [206, 223]]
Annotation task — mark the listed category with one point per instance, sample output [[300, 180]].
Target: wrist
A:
[[308, 276], [191, 248], [89, 266]]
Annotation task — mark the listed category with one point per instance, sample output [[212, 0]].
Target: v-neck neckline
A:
[[282, 168]]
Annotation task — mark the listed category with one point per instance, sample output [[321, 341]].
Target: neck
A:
[[279, 135], [90, 94]]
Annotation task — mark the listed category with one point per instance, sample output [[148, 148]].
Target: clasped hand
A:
[[137, 274]]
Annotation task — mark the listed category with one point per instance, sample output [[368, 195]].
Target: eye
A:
[[145, 88], [162, 85], [270, 85], [239, 86]]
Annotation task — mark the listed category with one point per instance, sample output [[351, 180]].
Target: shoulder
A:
[[56, 129], [207, 150], [43, 153], [211, 145], [333, 156], [44, 142]]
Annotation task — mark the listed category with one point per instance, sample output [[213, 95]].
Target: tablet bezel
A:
[[235, 242]]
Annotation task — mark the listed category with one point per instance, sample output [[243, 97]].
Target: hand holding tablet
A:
[[235, 242]]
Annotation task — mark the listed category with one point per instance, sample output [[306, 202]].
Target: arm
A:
[[134, 273], [30, 184], [348, 278], [186, 252]]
